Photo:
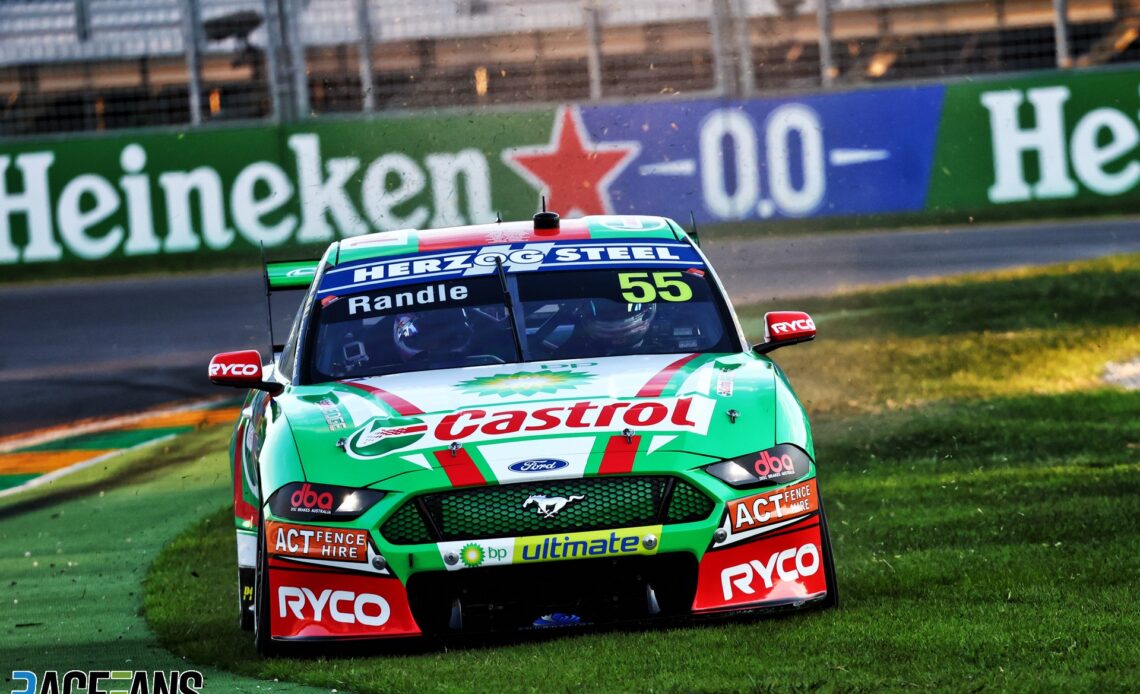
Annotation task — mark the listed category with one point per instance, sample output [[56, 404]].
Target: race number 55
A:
[[646, 287]]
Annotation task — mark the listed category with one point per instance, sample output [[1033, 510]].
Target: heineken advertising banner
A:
[[1056, 143]]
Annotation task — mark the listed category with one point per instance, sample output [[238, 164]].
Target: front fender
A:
[[279, 462], [792, 424]]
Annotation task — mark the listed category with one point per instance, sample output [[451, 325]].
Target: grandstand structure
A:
[[89, 65]]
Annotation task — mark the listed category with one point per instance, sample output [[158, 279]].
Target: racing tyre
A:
[[832, 599], [262, 613]]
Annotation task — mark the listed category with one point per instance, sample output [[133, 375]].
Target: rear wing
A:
[[290, 274], [283, 276]]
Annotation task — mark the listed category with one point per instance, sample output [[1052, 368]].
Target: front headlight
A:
[[778, 465], [307, 501]]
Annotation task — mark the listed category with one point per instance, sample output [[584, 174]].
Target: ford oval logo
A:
[[538, 465]]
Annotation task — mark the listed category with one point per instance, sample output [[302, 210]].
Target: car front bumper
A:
[[551, 581]]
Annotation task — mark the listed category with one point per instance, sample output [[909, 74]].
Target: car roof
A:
[[412, 241]]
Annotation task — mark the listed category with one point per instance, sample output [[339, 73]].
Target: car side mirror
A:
[[241, 370], [785, 328]]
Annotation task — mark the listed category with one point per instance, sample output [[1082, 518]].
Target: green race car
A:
[[517, 426]]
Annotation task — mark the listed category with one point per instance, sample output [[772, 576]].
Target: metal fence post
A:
[[192, 42], [82, 20], [1061, 32], [364, 22], [591, 18], [292, 11], [826, 62], [718, 25], [273, 43], [744, 48]]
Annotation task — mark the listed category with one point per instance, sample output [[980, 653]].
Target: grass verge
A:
[[983, 495], [123, 468], [73, 566], [1009, 333]]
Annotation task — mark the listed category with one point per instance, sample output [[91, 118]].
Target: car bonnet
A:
[[517, 422]]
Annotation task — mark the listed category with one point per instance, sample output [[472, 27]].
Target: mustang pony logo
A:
[[549, 506], [381, 435]]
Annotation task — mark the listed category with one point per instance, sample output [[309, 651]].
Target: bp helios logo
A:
[[474, 554], [471, 555], [525, 383], [382, 435]]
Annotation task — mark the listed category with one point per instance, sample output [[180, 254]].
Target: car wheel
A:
[[832, 599], [262, 612]]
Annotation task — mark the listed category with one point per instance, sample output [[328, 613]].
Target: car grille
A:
[[497, 511], [596, 591]]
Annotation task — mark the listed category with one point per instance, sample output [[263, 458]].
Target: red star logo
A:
[[573, 171]]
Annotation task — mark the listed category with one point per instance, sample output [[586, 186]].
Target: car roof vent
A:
[[546, 222]]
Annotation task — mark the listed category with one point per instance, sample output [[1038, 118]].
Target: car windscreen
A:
[[563, 315], [599, 313], [436, 325]]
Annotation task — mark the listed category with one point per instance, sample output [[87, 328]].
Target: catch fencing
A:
[[93, 65]]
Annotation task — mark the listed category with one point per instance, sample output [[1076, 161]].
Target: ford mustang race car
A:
[[519, 426]]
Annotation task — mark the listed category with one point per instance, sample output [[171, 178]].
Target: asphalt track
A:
[[83, 349]]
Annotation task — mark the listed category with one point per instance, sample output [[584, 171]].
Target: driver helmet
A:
[[437, 333], [617, 324]]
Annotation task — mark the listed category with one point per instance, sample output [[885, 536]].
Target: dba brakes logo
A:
[[538, 465], [381, 435]]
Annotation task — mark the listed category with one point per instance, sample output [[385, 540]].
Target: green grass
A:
[[983, 492], [1009, 333], [911, 221], [988, 546], [73, 564], [116, 471]]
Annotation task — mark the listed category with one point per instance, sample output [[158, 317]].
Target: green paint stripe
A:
[[598, 452], [380, 251], [106, 440], [684, 372], [9, 481], [594, 462], [122, 675], [291, 275], [596, 231], [342, 389], [599, 233]]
